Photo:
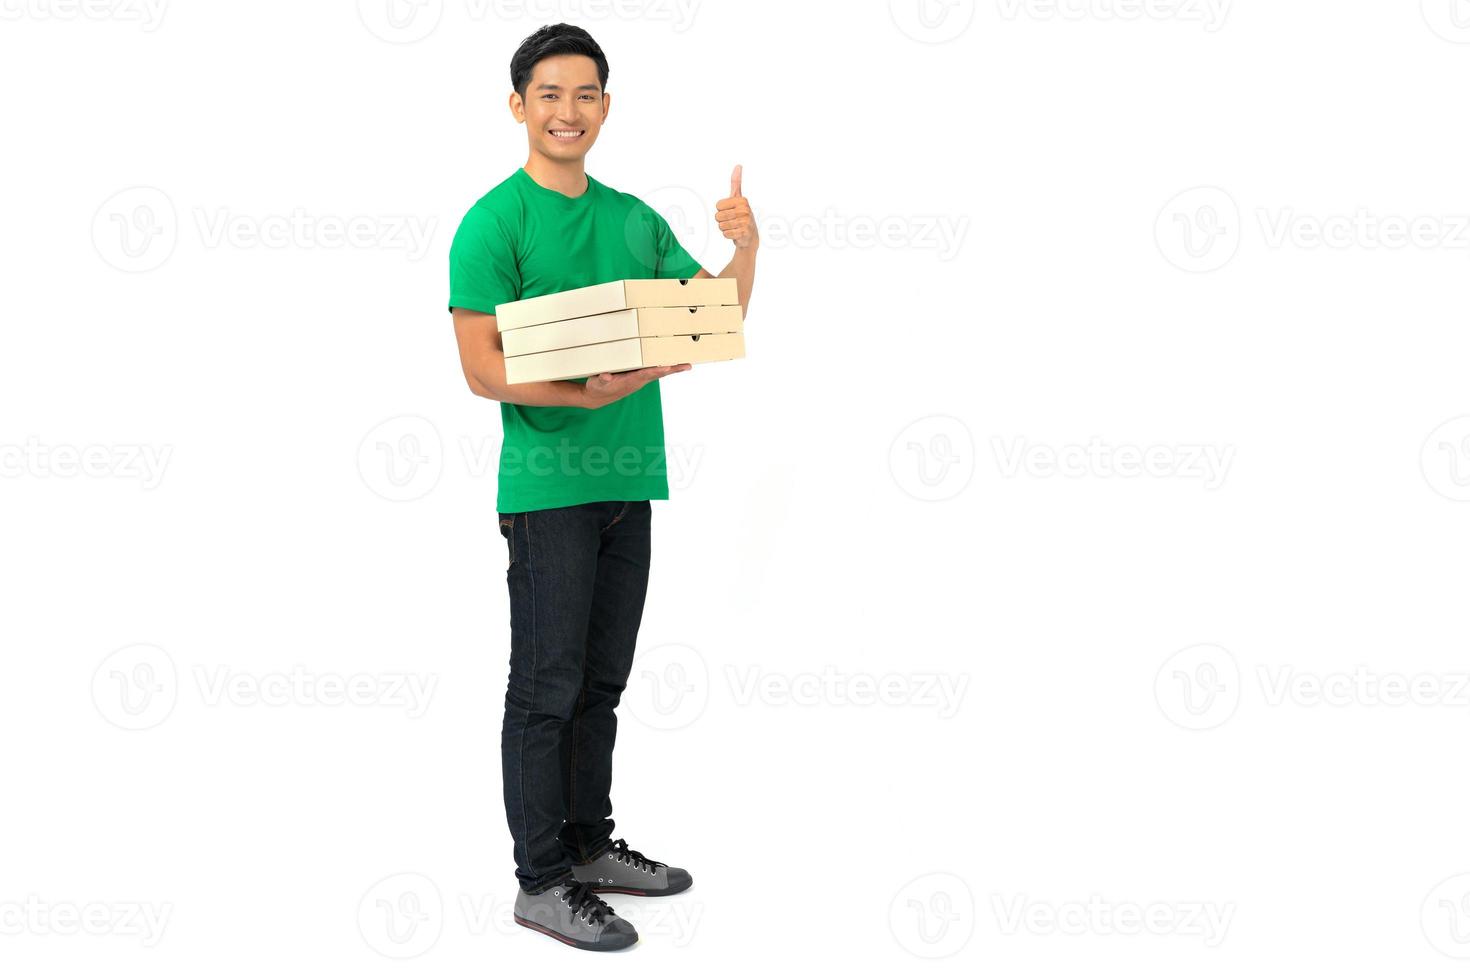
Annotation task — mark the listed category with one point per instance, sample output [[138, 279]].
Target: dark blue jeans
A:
[[578, 576]]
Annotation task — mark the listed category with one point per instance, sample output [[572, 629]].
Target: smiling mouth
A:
[[567, 135]]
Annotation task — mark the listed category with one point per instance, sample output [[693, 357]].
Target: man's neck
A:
[[569, 177]]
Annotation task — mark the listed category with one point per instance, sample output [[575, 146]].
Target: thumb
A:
[[735, 181]]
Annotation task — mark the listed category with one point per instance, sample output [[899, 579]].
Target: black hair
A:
[[549, 41]]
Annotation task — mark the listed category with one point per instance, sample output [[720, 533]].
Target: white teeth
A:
[[567, 133]]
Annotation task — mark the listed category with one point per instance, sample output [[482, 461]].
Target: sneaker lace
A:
[[629, 856], [584, 901]]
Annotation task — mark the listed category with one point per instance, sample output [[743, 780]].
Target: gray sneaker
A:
[[623, 870], [570, 912]]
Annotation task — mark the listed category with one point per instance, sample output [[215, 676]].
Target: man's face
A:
[[564, 107]]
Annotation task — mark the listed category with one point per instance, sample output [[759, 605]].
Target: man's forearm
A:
[[490, 383], [742, 270], [568, 394]]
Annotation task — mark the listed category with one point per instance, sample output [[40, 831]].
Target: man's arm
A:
[[742, 270], [483, 360]]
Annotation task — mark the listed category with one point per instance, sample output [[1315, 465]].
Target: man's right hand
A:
[[606, 388]]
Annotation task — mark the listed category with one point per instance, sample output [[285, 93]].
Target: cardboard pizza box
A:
[[628, 354], [662, 321], [621, 294]]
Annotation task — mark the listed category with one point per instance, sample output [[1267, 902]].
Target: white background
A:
[[1009, 249]]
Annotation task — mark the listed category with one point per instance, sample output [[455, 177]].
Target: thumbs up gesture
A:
[[734, 217]]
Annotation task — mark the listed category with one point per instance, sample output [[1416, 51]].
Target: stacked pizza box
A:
[[620, 326]]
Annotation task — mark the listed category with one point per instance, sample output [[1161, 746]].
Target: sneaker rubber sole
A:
[[579, 944]]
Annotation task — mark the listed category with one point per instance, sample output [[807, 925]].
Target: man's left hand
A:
[[734, 216]]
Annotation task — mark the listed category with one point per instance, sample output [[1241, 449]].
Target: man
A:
[[580, 465]]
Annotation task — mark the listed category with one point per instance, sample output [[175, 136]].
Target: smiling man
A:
[[580, 464]]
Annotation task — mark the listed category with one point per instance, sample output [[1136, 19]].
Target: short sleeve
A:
[[673, 261], [482, 263]]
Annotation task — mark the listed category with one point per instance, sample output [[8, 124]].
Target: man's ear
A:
[[606, 104], [517, 106]]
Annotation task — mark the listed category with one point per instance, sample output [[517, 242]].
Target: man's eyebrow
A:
[[557, 88]]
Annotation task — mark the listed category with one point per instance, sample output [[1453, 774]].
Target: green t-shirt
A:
[[522, 240]]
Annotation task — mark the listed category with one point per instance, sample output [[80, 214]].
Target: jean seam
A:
[[525, 820], [572, 766]]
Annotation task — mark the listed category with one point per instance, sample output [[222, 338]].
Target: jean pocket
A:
[[507, 531]]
